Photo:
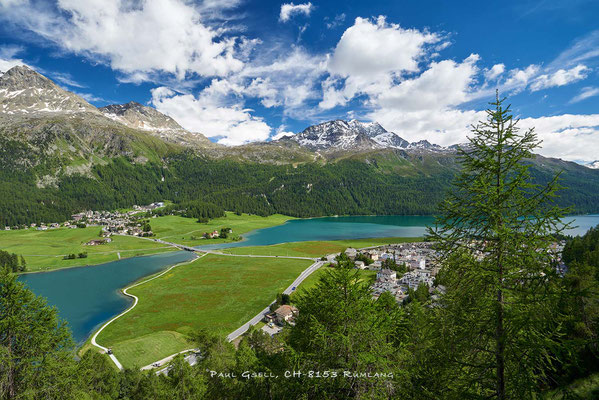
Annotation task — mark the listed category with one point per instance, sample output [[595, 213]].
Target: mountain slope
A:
[[59, 155], [24, 91], [138, 116]]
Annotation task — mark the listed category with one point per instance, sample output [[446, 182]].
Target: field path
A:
[[135, 300]]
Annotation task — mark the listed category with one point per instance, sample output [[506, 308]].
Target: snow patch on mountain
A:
[[356, 135], [24, 91]]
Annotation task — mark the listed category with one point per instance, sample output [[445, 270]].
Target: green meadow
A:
[[218, 293], [315, 248], [44, 250], [188, 231]]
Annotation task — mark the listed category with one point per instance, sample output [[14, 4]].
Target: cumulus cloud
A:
[[289, 9], [494, 72], [567, 136], [443, 84], [520, 78], [370, 55], [560, 77], [153, 36], [372, 48], [228, 124]]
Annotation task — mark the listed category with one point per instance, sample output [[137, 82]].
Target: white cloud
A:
[[281, 133], [90, 97], [371, 48], [567, 136], [153, 36], [289, 9], [66, 79], [229, 124], [560, 77], [370, 56], [494, 72], [519, 78], [8, 57], [445, 84], [584, 49], [585, 93]]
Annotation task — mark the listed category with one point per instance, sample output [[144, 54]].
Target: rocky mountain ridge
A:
[[340, 135], [27, 95], [24, 91]]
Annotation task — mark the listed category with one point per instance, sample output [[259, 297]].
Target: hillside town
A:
[[400, 267], [403, 267]]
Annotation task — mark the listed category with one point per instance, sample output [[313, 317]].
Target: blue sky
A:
[[241, 71]]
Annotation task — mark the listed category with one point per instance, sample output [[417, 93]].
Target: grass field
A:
[[43, 250], [315, 249], [219, 293], [312, 280], [183, 230]]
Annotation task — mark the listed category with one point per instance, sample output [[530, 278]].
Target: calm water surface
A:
[[89, 296]]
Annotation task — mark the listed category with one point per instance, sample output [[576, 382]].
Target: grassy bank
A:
[[315, 249], [44, 250], [188, 231], [218, 293]]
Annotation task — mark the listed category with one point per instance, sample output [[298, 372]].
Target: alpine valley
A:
[[60, 155]]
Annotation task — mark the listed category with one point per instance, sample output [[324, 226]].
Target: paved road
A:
[[233, 335], [166, 360], [192, 358], [258, 317]]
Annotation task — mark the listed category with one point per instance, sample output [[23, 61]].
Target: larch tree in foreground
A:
[[498, 326]]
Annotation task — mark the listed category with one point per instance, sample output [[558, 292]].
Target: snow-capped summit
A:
[[347, 135], [355, 135], [138, 116], [593, 165], [24, 91], [425, 145]]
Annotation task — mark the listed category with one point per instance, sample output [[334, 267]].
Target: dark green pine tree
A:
[[499, 327]]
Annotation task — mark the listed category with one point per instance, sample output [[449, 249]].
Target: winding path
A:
[[135, 300], [258, 317]]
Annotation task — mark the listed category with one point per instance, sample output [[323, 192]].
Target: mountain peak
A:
[[136, 115], [25, 91], [348, 135]]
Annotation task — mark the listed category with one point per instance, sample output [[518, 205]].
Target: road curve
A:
[[135, 300]]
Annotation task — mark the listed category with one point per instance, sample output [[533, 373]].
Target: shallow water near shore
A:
[[86, 297]]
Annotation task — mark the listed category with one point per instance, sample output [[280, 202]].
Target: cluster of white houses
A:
[[112, 221], [418, 258]]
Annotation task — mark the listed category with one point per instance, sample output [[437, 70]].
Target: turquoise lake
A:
[[86, 297]]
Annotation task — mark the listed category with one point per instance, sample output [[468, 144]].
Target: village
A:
[[413, 262], [133, 222], [400, 267]]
